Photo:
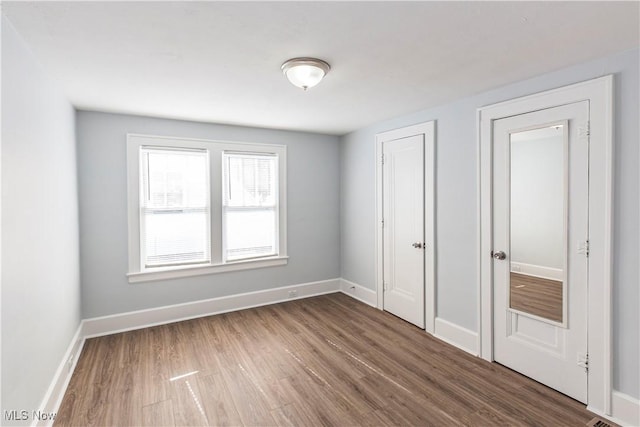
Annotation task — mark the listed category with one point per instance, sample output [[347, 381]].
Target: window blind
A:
[[175, 207], [250, 206]]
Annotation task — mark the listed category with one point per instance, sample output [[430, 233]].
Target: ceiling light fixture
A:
[[305, 72]]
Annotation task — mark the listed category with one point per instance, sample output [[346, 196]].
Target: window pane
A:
[[250, 180], [250, 205], [175, 207], [176, 237], [250, 233], [176, 179]]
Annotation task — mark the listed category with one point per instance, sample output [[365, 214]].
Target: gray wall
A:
[[40, 268], [457, 219], [312, 210]]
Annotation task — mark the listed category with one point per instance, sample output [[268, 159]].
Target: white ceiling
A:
[[220, 61]]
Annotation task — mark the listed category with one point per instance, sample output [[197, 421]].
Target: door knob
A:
[[499, 255], [417, 245]]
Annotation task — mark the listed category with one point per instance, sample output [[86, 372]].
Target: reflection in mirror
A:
[[538, 222]]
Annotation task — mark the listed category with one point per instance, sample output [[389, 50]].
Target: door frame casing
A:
[[599, 93], [426, 129]]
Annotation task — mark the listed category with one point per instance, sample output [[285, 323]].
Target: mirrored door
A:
[[538, 221], [540, 185]]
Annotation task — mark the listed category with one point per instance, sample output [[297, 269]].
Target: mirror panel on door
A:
[[538, 222]]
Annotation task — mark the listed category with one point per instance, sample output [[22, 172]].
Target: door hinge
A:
[[384, 286], [583, 361], [382, 223], [583, 248], [585, 132]]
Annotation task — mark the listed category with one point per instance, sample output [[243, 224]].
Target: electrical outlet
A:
[[293, 293]]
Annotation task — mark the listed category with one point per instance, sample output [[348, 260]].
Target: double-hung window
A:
[[250, 205], [200, 207], [174, 207]]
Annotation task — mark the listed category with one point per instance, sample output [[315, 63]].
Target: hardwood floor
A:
[[328, 360], [536, 295]]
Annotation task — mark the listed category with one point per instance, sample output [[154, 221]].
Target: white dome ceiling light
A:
[[305, 72]]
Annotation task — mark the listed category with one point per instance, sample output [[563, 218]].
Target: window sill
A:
[[176, 273]]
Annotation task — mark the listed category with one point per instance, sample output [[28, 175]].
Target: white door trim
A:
[[428, 130], [599, 93]]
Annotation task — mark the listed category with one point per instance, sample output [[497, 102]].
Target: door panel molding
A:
[[599, 93], [428, 131]]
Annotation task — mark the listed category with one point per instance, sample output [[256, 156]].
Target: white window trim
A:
[[136, 273]]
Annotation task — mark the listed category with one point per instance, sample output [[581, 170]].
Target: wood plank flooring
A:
[[536, 295], [327, 360]]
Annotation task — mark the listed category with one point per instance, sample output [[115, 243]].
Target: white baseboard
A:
[[455, 335], [99, 326], [625, 410], [53, 398], [359, 292]]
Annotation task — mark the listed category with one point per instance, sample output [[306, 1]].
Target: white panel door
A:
[[540, 202], [403, 235]]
